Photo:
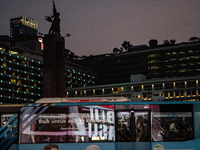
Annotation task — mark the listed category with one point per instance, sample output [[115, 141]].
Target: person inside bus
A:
[[124, 134], [47, 139], [51, 147], [93, 147], [181, 132], [62, 139]]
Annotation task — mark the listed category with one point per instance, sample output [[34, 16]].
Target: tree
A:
[[166, 42], [194, 39], [153, 43], [171, 42], [116, 50], [126, 45]]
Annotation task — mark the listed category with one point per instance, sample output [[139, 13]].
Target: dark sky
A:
[[98, 26]]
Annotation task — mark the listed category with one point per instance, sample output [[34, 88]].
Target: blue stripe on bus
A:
[[25, 106], [10, 142], [34, 118], [29, 109], [8, 136], [29, 115], [8, 129], [8, 122]]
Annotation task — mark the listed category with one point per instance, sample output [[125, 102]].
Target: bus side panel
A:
[[196, 117], [185, 145], [133, 146], [14, 147], [65, 146]]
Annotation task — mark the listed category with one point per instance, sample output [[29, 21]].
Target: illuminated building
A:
[[165, 89], [172, 73], [23, 25], [21, 74], [163, 61]]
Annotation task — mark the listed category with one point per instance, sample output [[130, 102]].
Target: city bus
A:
[[113, 123]]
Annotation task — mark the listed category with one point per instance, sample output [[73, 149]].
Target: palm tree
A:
[[194, 39]]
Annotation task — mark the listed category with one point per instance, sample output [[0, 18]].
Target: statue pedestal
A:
[[54, 66]]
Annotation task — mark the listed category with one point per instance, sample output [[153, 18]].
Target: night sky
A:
[[98, 26]]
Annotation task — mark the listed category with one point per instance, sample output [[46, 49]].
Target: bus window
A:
[[172, 123], [67, 124], [123, 126]]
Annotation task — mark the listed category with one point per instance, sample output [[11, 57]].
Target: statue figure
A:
[[55, 21]]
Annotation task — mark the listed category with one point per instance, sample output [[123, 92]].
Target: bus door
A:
[[8, 130], [133, 126], [142, 126]]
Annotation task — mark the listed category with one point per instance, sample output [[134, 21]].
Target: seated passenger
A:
[[124, 134], [181, 132]]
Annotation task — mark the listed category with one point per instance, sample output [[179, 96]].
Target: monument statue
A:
[[55, 21]]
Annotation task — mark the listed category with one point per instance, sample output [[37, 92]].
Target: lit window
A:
[[183, 64], [154, 67], [191, 51], [182, 52], [19, 81], [174, 53], [13, 80], [35, 85], [4, 64], [13, 52], [2, 49]]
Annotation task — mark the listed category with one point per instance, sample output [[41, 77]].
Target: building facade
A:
[[154, 62], [165, 89], [23, 25], [174, 61], [21, 75]]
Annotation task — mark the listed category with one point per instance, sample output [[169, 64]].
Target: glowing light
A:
[[41, 41]]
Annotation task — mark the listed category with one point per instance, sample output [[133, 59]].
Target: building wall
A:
[[174, 61], [158, 62], [23, 25], [21, 75], [173, 89]]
